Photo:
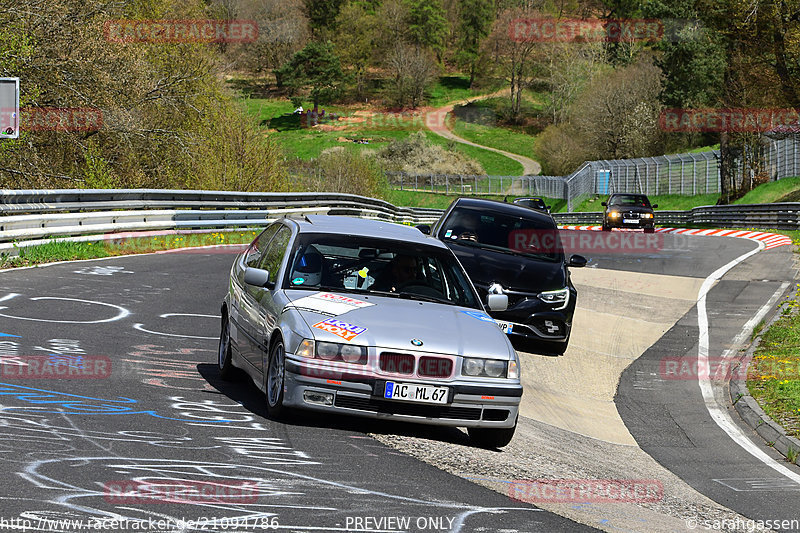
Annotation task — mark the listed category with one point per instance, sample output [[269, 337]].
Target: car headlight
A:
[[513, 369], [349, 353], [492, 368], [647, 215], [614, 214], [558, 299]]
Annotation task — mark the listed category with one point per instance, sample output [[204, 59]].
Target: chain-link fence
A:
[[466, 184], [683, 174]]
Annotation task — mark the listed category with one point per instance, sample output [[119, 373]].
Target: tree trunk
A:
[[724, 168]]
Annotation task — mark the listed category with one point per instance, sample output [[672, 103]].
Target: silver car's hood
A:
[[392, 323]]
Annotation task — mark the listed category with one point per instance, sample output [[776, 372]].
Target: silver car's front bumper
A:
[[471, 404]]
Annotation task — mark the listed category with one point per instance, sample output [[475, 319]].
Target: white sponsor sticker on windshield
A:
[[329, 304]]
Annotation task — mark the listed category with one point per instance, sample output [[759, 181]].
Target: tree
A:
[[475, 22], [616, 116], [322, 13], [571, 67], [427, 24], [316, 68], [413, 69], [357, 39], [692, 57], [516, 60]]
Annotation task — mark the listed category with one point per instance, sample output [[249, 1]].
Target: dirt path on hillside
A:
[[439, 127]]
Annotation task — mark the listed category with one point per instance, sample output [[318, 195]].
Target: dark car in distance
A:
[[629, 211], [534, 202], [514, 250]]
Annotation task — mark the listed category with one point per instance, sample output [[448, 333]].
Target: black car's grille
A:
[[435, 367], [408, 409], [397, 363]]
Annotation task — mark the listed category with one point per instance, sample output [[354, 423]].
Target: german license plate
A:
[[411, 392], [505, 326], [630, 221]]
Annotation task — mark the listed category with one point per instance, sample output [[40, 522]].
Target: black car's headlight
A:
[[647, 215], [614, 214], [492, 368], [558, 299], [333, 351]]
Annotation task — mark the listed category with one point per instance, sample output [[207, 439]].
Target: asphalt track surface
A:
[[88, 448], [161, 416], [666, 412]]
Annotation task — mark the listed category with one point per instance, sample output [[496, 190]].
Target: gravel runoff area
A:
[[540, 451]]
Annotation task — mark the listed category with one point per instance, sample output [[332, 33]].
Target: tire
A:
[[606, 227], [274, 379], [649, 230], [492, 438], [224, 356]]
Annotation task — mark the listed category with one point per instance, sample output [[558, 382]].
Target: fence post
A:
[[447, 183], [694, 177]]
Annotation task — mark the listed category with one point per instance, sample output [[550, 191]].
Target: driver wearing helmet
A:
[[308, 268]]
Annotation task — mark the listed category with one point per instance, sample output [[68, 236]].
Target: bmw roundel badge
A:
[[416, 342]]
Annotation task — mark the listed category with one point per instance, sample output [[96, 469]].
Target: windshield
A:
[[380, 266], [534, 237], [630, 200]]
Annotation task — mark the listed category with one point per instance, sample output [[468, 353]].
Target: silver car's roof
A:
[[363, 228]]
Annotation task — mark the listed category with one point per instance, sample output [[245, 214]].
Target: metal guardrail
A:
[[28, 216]]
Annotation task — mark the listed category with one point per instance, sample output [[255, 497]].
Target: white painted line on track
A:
[[718, 413], [141, 328]]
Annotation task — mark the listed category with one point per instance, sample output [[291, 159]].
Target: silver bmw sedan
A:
[[372, 319]]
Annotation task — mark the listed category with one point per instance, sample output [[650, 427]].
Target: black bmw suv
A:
[[629, 211], [514, 250]]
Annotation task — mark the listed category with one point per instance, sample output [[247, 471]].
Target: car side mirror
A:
[[576, 260], [424, 228], [257, 277], [603, 204], [497, 302], [655, 206]]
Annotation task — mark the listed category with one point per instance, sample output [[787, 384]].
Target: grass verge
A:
[[773, 377], [62, 250]]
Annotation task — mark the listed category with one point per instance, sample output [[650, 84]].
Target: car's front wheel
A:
[[606, 227], [224, 361], [649, 230], [492, 437], [273, 380]]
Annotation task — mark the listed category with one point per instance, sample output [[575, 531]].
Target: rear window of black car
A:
[[534, 236]]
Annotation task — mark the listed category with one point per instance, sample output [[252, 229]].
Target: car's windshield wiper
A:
[[416, 296], [384, 293]]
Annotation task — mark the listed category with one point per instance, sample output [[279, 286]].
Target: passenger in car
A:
[[401, 270]]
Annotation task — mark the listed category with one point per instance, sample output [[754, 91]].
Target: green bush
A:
[[344, 171]]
